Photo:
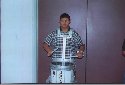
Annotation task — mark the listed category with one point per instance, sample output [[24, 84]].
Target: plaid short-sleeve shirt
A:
[[56, 42]]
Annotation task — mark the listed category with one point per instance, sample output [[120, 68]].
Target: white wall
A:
[[18, 41]]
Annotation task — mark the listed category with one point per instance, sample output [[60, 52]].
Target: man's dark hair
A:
[[64, 15]]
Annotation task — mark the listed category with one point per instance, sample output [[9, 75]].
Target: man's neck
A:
[[65, 29]]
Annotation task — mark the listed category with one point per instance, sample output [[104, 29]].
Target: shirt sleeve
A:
[[78, 40], [123, 46], [49, 38]]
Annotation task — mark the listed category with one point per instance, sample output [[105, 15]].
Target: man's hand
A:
[[47, 49], [49, 53], [80, 54]]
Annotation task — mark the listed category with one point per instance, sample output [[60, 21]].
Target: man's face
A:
[[64, 22]]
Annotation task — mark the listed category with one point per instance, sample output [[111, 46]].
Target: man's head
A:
[[64, 15], [64, 20]]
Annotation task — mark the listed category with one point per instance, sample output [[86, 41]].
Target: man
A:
[[64, 45]]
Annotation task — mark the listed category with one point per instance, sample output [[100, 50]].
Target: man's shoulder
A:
[[74, 31], [52, 33]]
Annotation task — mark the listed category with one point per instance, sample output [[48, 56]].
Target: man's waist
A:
[[60, 56], [63, 63]]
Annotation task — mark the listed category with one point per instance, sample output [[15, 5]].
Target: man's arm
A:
[[47, 49]]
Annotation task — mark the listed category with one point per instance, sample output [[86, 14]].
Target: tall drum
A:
[[62, 71]]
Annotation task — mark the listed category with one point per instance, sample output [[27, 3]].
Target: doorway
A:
[[100, 23]]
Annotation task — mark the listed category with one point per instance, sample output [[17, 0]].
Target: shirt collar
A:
[[65, 32]]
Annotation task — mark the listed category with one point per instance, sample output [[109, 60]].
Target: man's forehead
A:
[[64, 18]]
